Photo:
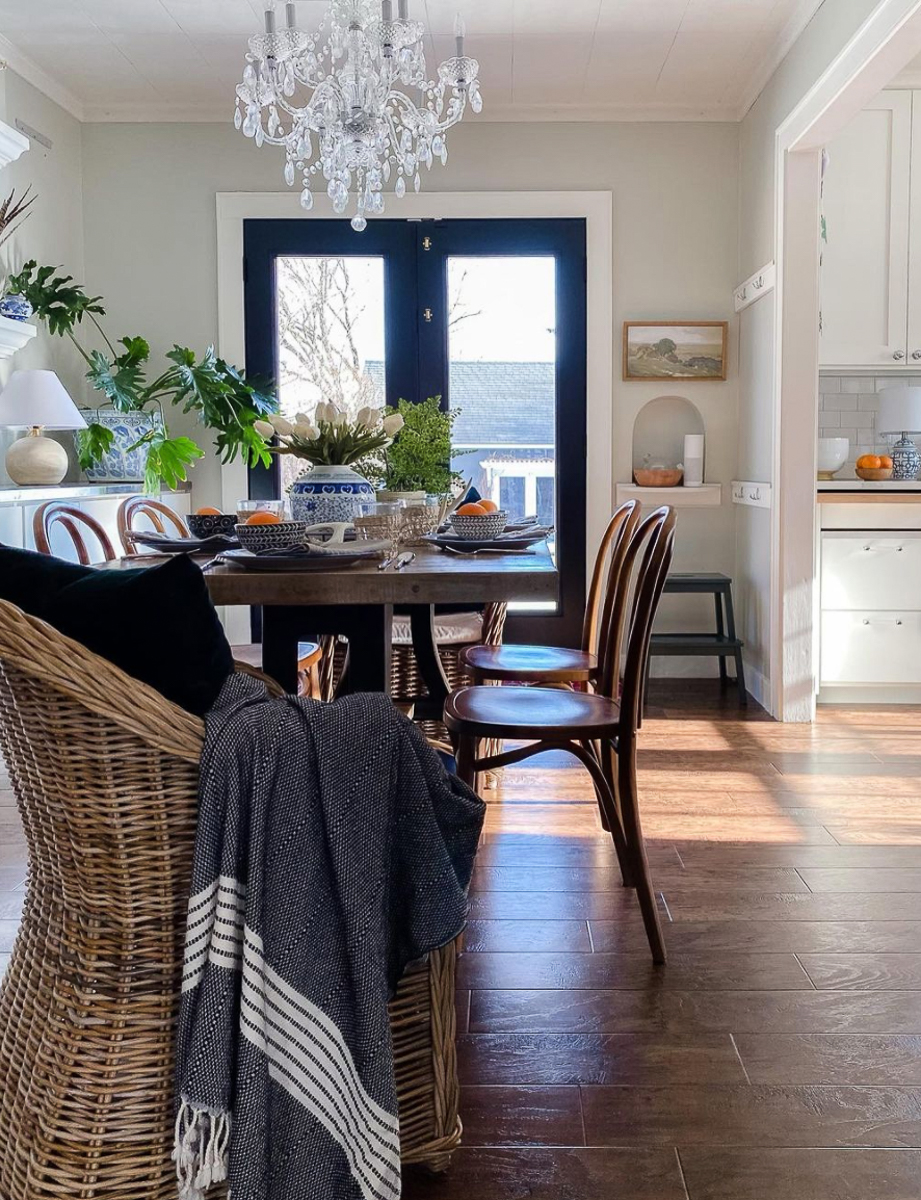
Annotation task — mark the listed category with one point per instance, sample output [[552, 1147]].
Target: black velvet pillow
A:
[[157, 623]]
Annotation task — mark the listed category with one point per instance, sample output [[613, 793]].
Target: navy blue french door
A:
[[488, 315]]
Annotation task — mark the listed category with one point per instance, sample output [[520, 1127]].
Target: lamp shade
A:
[[38, 398], [899, 410]]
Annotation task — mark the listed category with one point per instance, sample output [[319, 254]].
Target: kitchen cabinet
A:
[[870, 288], [870, 602]]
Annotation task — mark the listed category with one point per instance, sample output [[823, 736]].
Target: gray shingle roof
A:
[[501, 403]]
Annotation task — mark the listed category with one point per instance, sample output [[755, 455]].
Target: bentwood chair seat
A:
[[542, 714], [547, 664], [557, 664]]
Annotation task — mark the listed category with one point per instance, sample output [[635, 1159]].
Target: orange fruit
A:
[[885, 461], [870, 462], [471, 510], [207, 511], [263, 518], [488, 505]]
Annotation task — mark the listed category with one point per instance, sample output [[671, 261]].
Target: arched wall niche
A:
[[660, 428]]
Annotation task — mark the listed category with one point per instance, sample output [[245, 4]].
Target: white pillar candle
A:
[[460, 30], [693, 459]]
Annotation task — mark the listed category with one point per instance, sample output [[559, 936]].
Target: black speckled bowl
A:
[[205, 525]]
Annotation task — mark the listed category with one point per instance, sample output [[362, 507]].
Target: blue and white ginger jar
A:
[[16, 307], [327, 493], [121, 464]]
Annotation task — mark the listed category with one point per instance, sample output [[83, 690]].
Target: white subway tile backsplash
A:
[[868, 402], [830, 384], [846, 402], [852, 383], [863, 420], [829, 420]]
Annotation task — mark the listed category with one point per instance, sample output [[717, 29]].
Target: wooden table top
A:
[[434, 577]]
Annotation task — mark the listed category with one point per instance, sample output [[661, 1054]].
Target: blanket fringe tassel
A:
[[200, 1149]]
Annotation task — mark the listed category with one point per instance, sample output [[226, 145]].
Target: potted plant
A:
[[127, 436], [418, 463], [331, 489]]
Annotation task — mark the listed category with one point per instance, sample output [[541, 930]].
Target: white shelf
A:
[[14, 335], [12, 144], [708, 495]]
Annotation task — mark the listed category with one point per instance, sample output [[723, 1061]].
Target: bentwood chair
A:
[[598, 728], [559, 664], [105, 774], [77, 525], [160, 516]]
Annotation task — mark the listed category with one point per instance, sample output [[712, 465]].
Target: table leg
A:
[[425, 648], [368, 627], [282, 629]]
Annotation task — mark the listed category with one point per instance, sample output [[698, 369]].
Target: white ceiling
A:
[[118, 60]]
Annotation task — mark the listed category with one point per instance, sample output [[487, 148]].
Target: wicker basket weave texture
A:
[[106, 776]]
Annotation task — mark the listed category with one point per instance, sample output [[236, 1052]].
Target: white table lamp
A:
[[900, 412], [37, 400]]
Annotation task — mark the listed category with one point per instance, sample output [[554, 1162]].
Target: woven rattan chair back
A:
[[77, 525], [105, 772], [161, 516]]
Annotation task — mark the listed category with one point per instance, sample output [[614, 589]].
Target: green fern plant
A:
[[419, 460]]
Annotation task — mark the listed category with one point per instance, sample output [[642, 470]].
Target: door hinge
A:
[[427, 245], [427, 314]]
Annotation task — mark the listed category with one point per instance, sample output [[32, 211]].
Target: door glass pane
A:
[[502, 380], [330, 336]]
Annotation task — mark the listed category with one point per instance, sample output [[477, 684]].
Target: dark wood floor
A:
[[778, 1054]]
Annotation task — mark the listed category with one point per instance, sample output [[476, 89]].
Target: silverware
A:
[[404, 560], [382, 566], [484, 550]]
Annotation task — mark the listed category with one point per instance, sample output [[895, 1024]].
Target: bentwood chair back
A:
[[609, 562], [105, 773], [161, 516], [77, 525]]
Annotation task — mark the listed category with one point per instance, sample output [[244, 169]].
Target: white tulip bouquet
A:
[[330, 438]]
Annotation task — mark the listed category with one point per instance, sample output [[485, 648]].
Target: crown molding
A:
[[776, 53], [32, 73]]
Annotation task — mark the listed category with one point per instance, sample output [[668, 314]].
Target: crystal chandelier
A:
[[359, 127]]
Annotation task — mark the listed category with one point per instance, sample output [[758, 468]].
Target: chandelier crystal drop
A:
[[359, 130]]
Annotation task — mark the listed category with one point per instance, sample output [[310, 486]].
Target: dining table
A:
[[357, 602]]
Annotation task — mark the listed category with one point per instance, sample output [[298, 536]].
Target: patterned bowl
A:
[[205, 525], [271, 537], [482, 528]]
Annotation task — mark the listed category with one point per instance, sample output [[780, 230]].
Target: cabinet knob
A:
[[898, 355], [916, 354]]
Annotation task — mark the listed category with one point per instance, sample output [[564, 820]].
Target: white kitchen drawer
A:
[[871, 647], [871, 570]]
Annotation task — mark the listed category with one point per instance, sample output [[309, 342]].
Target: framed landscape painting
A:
[[675, 349]]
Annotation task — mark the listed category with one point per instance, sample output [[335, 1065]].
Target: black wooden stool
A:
[[723, 643]]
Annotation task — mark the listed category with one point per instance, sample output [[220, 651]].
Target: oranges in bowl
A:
[[874, 467]]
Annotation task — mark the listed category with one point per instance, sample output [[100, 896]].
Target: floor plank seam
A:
[[805, 971], [681, 1175], [741, 1060]]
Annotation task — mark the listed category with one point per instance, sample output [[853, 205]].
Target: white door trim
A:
[[884, 44], [233, 208]]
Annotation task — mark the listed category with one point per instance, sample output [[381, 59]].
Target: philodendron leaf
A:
[[93, 444], [56, 299], [121, 381], [167, 460]]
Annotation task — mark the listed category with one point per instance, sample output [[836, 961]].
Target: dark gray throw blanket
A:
[[332, 850]]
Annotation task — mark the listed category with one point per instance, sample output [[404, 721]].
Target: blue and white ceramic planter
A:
[[17, 308], [329, 494], [121, 464]]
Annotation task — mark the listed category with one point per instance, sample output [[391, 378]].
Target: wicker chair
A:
[[106, 775]]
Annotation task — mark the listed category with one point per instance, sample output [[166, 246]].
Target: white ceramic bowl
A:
[[833, 454]]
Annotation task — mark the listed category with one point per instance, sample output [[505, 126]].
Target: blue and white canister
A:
[[122, 464], [16, 307], [329, 493]]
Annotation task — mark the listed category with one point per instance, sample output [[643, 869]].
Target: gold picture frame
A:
[[692, 354]]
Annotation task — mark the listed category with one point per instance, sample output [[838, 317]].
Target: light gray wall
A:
[[53, 233], [829, 31], [149, 193]]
